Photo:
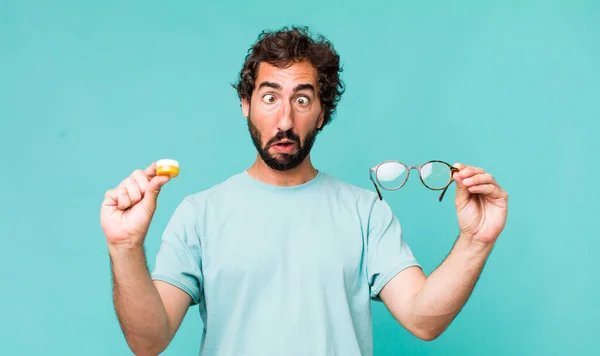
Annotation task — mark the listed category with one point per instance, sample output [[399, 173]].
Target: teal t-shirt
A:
[[283, 270]]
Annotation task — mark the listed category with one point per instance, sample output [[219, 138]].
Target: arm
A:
[[149, 312], [427, 306]]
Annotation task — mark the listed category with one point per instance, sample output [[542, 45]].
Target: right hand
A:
[[127, 210]]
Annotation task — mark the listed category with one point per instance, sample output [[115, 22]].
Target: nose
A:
[[286, 118]]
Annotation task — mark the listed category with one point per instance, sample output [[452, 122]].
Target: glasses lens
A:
[[436, 175], [391, 175]]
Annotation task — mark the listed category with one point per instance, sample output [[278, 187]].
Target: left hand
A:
[[481, 205]]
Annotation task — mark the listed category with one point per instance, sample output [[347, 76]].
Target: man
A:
[[282, 258]]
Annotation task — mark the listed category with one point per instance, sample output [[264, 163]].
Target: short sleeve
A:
[[387, 252], [178, 261]]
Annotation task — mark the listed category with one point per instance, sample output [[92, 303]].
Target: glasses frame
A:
[[376, 182]]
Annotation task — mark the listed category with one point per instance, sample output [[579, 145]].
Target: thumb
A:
[[462, 193], [153, 190]]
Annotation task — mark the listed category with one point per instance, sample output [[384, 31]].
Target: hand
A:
[[127, 210], [481, 205]]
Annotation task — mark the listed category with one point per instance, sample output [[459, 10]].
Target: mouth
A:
[[284, 146], [284, 143]]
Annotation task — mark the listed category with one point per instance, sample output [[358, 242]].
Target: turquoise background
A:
[[90, 91]]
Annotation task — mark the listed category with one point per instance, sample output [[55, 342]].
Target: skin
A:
[[281, 109], [150, 312], [427, 305]]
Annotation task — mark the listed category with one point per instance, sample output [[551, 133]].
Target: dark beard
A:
[[282, 161]]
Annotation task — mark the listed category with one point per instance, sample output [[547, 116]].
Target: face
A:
[[284, 114]]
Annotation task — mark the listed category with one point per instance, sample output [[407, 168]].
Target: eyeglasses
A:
[[392, 175]]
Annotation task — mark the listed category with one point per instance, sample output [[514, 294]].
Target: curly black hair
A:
[[286, 46]]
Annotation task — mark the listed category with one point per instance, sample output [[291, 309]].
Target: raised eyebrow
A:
[[305, 86], [299, 87], [269, 85]]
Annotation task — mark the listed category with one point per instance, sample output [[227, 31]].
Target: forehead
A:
[[288, 77]]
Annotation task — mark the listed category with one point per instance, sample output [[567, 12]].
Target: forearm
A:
[[448, 288], [138, 305]]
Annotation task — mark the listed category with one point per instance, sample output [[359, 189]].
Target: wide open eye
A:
[[269, 98], [303, 100]]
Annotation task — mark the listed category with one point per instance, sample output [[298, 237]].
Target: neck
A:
[[299, 175]]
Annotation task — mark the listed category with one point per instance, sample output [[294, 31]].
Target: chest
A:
[[316, 242]]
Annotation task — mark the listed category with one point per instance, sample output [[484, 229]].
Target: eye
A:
[[303, 101], [269, 98]]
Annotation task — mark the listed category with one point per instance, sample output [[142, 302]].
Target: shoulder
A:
[[216, 192], [375, 215], [367, 201], [349, 192], [347, 187]]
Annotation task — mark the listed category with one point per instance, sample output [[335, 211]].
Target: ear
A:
[[245, 108], [321, 119]]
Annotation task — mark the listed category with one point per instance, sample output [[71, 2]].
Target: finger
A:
[[156, 183], [468, 171], [151, 170], [123, 201], [489, 190], [151, 195], [110, 198], [141, 179], [133, 191], [480, 178], [484, 189], [461, 170], [462, 194]]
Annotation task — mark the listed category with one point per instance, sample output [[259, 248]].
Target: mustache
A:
[[284, 135]]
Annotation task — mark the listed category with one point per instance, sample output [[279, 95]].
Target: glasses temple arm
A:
[[374, 184], [444, 192]]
